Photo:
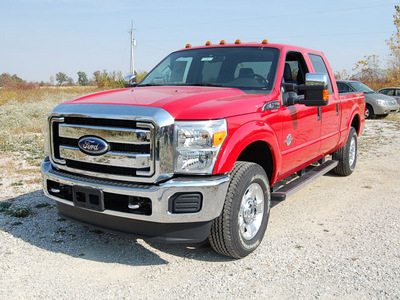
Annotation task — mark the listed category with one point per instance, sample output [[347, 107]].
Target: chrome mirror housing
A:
[[130, 80], [317, 79]]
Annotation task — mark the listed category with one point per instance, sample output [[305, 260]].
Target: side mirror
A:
[[316, 89], [130, 80], [316, 92]]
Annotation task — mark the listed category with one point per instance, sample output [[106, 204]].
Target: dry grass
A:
[[22, 117], [23, 114], [38, 94], [393, 117]]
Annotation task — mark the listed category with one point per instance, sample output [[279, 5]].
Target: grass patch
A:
[[393, 117], [19, 183], [42, 205], [19, 211], [15, 210], [4, 206]]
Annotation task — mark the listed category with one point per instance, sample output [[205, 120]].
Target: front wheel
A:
[[241, 226], [347, 155]]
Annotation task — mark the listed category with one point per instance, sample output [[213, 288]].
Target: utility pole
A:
[[133, 44]]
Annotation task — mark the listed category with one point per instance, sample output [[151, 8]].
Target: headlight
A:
[[382, 102], [197, 145]]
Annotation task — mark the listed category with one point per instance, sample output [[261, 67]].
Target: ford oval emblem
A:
[[93, 145]]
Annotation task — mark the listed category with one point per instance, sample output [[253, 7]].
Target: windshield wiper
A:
[[205, 84], [150, 84], [182, 84]]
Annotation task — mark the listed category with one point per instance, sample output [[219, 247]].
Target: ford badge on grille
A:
[[93, 145]]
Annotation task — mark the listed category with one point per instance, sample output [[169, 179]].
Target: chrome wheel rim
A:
[[251, 211], [352, 152]]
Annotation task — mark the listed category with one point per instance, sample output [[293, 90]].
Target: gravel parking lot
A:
[[337, 238]]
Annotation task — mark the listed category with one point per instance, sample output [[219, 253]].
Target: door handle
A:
[[319, 113]]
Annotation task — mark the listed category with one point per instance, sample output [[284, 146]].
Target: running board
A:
[[303, 180]]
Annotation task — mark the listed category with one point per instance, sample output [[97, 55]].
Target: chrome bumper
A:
[[212, 188]]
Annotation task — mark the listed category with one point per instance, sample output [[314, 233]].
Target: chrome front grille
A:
[[131, 151]]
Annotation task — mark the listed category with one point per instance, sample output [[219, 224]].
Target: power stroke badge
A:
[[289, 140], [92, 145]]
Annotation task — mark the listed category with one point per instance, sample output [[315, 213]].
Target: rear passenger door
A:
[[330, 114]]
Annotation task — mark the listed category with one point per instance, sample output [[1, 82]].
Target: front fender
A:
[[253, 131]]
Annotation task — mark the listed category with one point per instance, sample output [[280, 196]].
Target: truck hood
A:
[[183, 103]]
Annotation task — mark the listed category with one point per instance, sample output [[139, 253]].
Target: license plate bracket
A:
[[87, 197]]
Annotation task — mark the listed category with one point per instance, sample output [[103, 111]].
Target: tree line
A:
[[104, 79]]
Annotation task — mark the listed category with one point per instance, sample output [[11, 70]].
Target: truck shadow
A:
[[43, 228]]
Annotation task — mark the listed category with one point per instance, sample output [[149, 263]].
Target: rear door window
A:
[[320, 67]]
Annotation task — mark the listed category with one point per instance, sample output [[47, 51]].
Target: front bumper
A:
[[161, 223], [385, 109]]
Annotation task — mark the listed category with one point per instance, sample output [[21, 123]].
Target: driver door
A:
[[301, 125]]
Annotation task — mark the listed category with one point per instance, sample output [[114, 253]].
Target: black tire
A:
[[241, 226], [369, 112], [347, 155]]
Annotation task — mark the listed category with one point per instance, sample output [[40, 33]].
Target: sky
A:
[[39, 38]]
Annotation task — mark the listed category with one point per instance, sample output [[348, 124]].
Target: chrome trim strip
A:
[[152, 141], [118, 159], [51, 139], [213, 189], [110, 134]]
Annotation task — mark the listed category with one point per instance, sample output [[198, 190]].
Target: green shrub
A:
[[18, 211], [4, 206]]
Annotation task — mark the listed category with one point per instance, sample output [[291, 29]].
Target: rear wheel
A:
[[347, 155], [241, 226]]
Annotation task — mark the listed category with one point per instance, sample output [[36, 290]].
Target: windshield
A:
[[247, 68], [360, 87]]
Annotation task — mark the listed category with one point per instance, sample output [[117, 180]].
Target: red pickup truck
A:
[[203, 144]]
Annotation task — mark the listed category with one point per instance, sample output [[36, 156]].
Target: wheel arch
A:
[[260, 153], [252, 142], [356, 123]]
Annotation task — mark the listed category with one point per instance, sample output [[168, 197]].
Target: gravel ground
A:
[[336, 238]]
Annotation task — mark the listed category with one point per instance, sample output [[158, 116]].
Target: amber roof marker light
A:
[[264, 42], [222, 42], [188, 46], [237, 42], [208, 43]]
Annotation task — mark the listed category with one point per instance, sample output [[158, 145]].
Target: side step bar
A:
[[303, 180]]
